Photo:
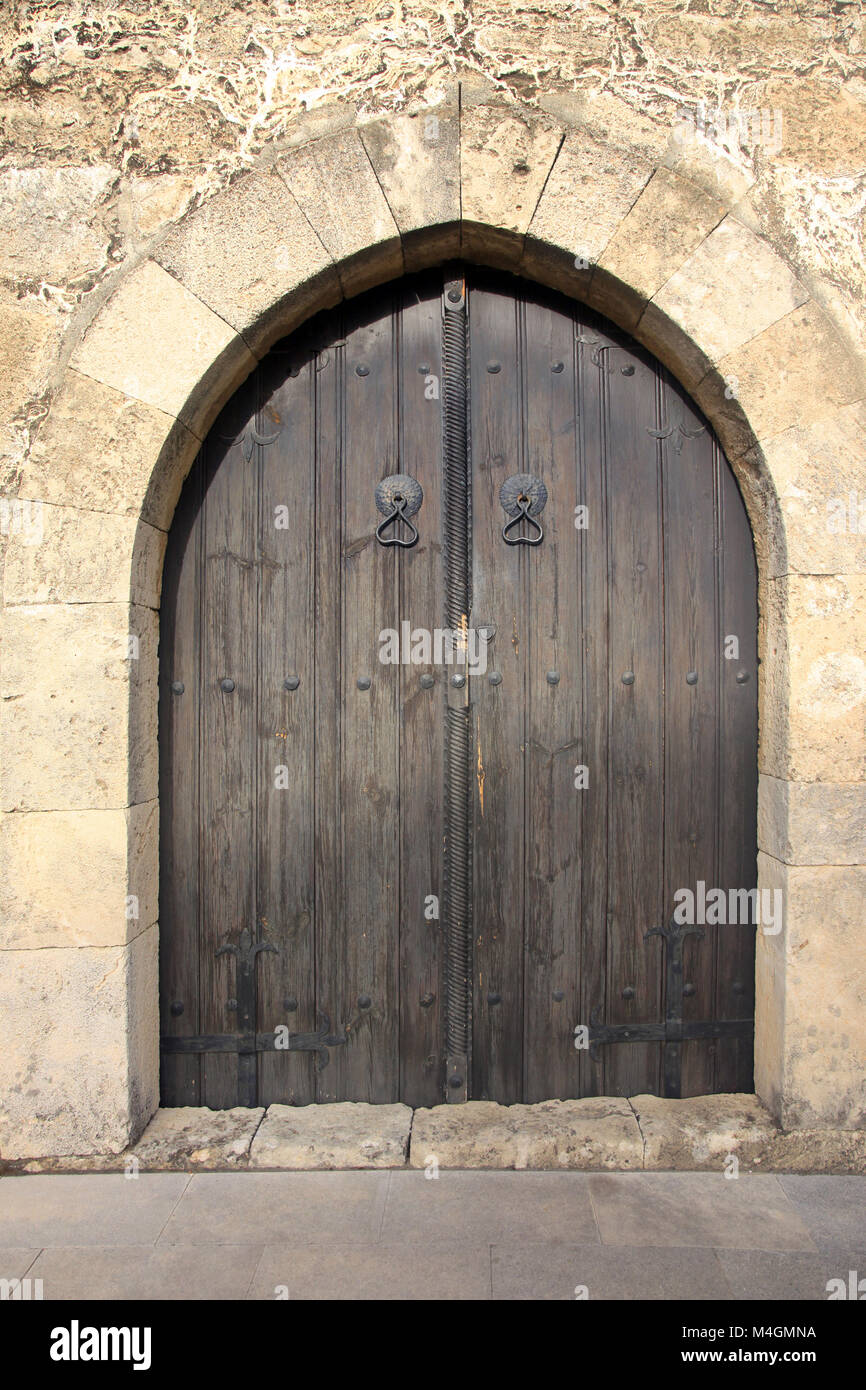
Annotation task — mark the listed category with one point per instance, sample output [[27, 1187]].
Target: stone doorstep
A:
[[596, 1134]]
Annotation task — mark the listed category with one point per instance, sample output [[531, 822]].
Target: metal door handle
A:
[[523, 504], [398, 498], [522, 497]]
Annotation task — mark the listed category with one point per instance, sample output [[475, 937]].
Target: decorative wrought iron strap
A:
[[457, 884], [247, 1043], [674, 1031]]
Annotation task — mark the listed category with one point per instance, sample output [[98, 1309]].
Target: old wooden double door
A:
[[386, 875]]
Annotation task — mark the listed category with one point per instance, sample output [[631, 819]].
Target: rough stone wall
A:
[[115, 120]]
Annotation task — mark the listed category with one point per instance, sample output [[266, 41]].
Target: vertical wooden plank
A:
[[499, 583], [286, 720], [738, 771], [594, 546], [635, 759], [328, 381], [554, 713], [370, 752], [180, 1075], [421, 751], [691, 710], [228, 789]]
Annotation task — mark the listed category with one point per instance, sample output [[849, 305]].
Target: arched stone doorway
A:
[[672, 251], [394, 870]]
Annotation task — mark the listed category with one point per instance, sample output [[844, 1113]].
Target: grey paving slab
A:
[[483, 1208], [604, 1272], [87, 1208], [281, 1208], [765, 1275], [409, 1272], [832, 1209], [14, 1264], [147, 1272], [704, 1209]]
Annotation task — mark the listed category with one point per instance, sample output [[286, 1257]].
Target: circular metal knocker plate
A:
[[523, 485], [399, 487]]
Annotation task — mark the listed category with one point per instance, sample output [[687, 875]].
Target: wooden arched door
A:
[[384, 874]]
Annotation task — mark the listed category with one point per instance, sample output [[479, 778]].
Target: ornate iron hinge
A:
[[247, 1043], [674, 1031]]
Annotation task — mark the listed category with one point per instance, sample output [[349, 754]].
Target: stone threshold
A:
[[597, 1134]]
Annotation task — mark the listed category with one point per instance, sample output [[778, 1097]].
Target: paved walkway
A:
[[464, 1235]]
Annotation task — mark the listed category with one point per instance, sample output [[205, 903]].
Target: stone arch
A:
[[658, 237]]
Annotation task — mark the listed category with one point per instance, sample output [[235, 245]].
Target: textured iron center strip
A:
[[457, 884]]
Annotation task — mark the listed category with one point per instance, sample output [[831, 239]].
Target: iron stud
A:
[[494, 998], [364, 1001], [362, 369], [553, 678], [227, 684], [363, 682], [495, 678], [458, 680], [742, 677], [177, 687], [691, 678], [557, 367], [291, 682], [290, 1004], [628, 992], [559, 995], [427, 1000], [494, 367], [176, 1008], [427, 682], [628, 678]]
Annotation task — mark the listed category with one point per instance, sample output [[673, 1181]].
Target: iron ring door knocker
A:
[[522, 497], [398, 498]]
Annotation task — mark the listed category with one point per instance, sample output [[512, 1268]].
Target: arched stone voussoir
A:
[[253, 257], [97, 449], [156, 342], [506, 157], [416, 160], [336, 188]]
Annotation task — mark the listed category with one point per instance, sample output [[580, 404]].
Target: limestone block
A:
[[155, 341], [819, 475], [30, 335], [825, 995], [589, 192], [78, 878], [812, 822], [72, 1035], [506, 155], [794, 373], [417, 163], [813, 687], [84, 557], [107, 452], [79, 683], [252, 256], [191, 1137], [333, 182], [659, 232], [595, 1133], [731, 266], [350, 1134], [702, 1132], [50, 228], [817, 1151]]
